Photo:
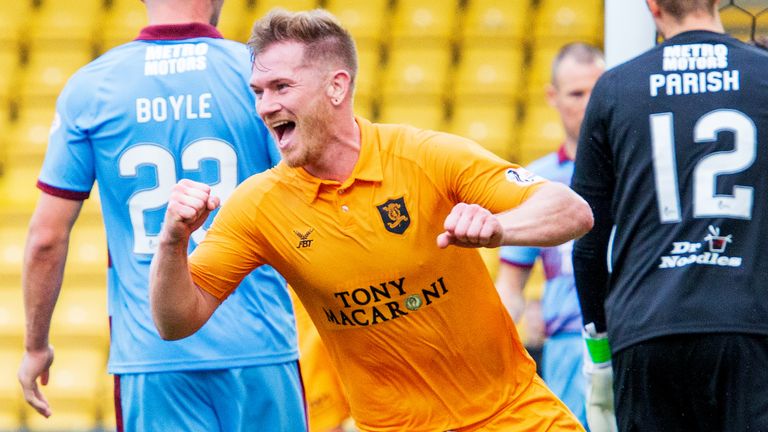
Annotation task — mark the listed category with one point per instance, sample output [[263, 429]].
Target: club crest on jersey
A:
[[304, 240], [395, 216], [520, 176]]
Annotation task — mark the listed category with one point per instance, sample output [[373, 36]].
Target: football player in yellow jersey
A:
[[376, 227]]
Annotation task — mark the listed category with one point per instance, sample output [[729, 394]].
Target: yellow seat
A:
[[47, 71], [10, 62], [496, 22], [81, 314], [28, 135], [17, 186], [122, 23], [422, 115], [67, 23], [263, 7], [73, 390], [488, 72], [363, 106], [14, 18], [11, 397], [491, 125], [420, 22], [540, 68], [566, 21], [231, 23], [364, 20], [368, 70], [107, 404], [87, 248], [11, 317], [541, 132], [416, 72]]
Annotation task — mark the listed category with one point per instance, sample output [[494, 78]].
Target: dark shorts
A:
[[697, 382]]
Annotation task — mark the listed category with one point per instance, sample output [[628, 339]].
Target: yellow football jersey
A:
[[418, 334]]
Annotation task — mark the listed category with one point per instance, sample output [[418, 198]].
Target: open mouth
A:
[[283, 129]]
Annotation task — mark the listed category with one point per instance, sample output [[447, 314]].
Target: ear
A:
[[339, 87], [551, 92], [654, 8]]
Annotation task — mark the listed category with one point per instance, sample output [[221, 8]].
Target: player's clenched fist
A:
[[188, 207], [470, 225]]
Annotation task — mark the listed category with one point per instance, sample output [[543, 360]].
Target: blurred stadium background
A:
[[473, 67]]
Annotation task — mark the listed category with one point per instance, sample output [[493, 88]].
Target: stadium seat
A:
[[540, 68], [541, 132], [424, 23], [417, 72], [488, 72], [231, 23], [364, 107], [368, 70], [14, 18], [87, 248], [500, 23], [74, 389], [11, 398], [107, 404], [47, 72], [81, 314], [366, 21], [565, 21], [422, 115], [17, 186], [28, 135], [122, 23], [11, 316], [65, 23], [491, 125], [264, 6], [9, 63]]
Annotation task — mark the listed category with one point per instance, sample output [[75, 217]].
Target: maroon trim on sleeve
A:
[[562, 156], [63, 193], [179, 31], [516, 264]]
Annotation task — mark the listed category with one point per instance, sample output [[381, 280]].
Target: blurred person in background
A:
[[575, 70], [174, 103]]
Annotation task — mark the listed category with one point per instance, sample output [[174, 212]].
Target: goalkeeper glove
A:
[[600, 412]]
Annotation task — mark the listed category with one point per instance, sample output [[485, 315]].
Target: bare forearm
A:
[[42, 275], [179, 307], [553, 215]]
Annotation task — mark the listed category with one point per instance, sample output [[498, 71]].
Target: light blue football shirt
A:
[[559, 303], [173, 104]]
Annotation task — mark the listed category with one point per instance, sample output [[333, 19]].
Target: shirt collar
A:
[[368, 166], [562, 155], [179, 31]]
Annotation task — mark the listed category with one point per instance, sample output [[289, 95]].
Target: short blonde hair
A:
[[322, 35]]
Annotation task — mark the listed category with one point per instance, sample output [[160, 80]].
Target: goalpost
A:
[[629, 30]]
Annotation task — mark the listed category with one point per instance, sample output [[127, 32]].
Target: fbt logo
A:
[[685, 253]]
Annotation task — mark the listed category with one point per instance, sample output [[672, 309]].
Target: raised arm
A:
[[179, 306], [42, 273], [553, 215]]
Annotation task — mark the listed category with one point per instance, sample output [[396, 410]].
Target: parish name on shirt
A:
[[175, 58], [693, 69], [375, 304]]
